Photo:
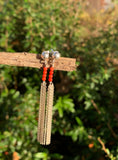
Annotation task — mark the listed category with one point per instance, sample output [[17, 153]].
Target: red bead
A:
[[50, 76], [43, 79], [44, 68], [51, 73], [50, 80], [51, 69], [44, 74]]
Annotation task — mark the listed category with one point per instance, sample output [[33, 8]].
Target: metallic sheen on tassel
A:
[[41, 118], [48, 120]]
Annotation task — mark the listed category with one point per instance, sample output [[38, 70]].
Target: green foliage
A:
[[85, 107], [64, 104]]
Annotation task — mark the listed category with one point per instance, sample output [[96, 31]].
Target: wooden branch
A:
[[34, 60], [106, 150]]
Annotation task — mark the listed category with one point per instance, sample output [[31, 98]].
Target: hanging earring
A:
[[45, 110], [50, 96], [41, 118]]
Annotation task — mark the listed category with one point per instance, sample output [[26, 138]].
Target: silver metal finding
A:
[[45, 54], [52, 55], [56, 54]]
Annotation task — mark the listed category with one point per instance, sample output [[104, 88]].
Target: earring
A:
[[50, 96], [41, 118], [45, 110]]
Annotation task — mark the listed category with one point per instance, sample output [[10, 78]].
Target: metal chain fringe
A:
[[48, 117], [41, 118]]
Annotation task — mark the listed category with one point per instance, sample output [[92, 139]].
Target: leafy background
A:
[[85, 112]]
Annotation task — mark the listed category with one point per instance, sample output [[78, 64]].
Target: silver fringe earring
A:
[[45, 110]]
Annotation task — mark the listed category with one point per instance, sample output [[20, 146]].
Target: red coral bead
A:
[[44, 68], [51, 69], [50, 80], [50, 76], [43, 79]]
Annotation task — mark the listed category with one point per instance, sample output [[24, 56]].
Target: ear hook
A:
[[45, 55], [54, 55]]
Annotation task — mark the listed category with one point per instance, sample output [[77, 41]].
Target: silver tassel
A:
[[48, 120], [41, 118], [45, 114]]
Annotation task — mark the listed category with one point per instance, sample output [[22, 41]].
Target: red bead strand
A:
[[51, 74], [44, 74]]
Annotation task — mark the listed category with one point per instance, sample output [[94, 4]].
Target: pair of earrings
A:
[[46, 100]]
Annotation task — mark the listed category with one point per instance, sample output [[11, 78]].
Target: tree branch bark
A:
[[35, 60]]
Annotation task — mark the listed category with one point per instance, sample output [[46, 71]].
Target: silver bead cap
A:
[[56, 54], [45, 54]]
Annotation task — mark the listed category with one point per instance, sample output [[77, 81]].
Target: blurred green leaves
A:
[[64, 104], [40, 155]]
